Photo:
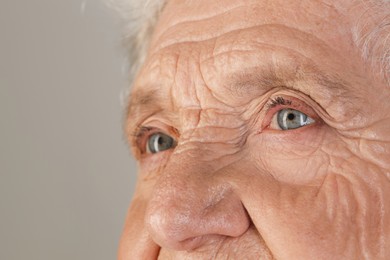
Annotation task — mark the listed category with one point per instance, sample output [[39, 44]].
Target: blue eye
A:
[[159, 142], [287, 119]]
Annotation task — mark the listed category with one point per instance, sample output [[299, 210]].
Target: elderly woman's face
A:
[[260, 133]]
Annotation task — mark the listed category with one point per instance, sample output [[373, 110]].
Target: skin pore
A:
[[228, 182]]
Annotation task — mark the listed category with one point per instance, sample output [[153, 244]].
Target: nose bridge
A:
[[211, 133], [190, 203]]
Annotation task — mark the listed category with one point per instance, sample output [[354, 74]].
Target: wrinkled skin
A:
[[235, 186]]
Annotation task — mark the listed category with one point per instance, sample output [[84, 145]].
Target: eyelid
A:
[[277, 103]]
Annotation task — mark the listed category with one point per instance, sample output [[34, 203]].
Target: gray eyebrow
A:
[[149, 100], [243, 83], [141, 104], [141, 98]]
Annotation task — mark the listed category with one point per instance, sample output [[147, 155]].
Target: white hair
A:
[[374, 41], [141, 16]]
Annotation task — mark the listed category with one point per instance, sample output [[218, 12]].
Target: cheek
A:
[[151, 166], [295, 156]]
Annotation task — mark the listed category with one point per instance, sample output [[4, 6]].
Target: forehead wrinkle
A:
[[149, 96], [190, 25], [173, 28], [269, 77]]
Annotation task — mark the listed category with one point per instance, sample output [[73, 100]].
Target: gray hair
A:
[[374, 41], [141, 16]]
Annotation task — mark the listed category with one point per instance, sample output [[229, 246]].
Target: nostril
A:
[[182, 233], [192, 243]]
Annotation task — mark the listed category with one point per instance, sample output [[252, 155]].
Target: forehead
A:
[[233, 43], [191, 20]]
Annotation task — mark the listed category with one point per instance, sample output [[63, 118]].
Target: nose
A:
[[192, 206]]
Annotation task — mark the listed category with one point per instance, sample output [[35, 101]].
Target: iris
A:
[[291, 119]]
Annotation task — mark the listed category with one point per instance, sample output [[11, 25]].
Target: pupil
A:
[[160, 141], [291, 116]]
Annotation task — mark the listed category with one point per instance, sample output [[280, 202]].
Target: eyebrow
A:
[[270, 79], [144, 103], [141, 98]]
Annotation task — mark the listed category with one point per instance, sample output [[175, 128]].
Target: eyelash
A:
[[141, 131], [278, 101]]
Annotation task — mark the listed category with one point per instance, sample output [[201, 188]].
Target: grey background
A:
[[66, 176]]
